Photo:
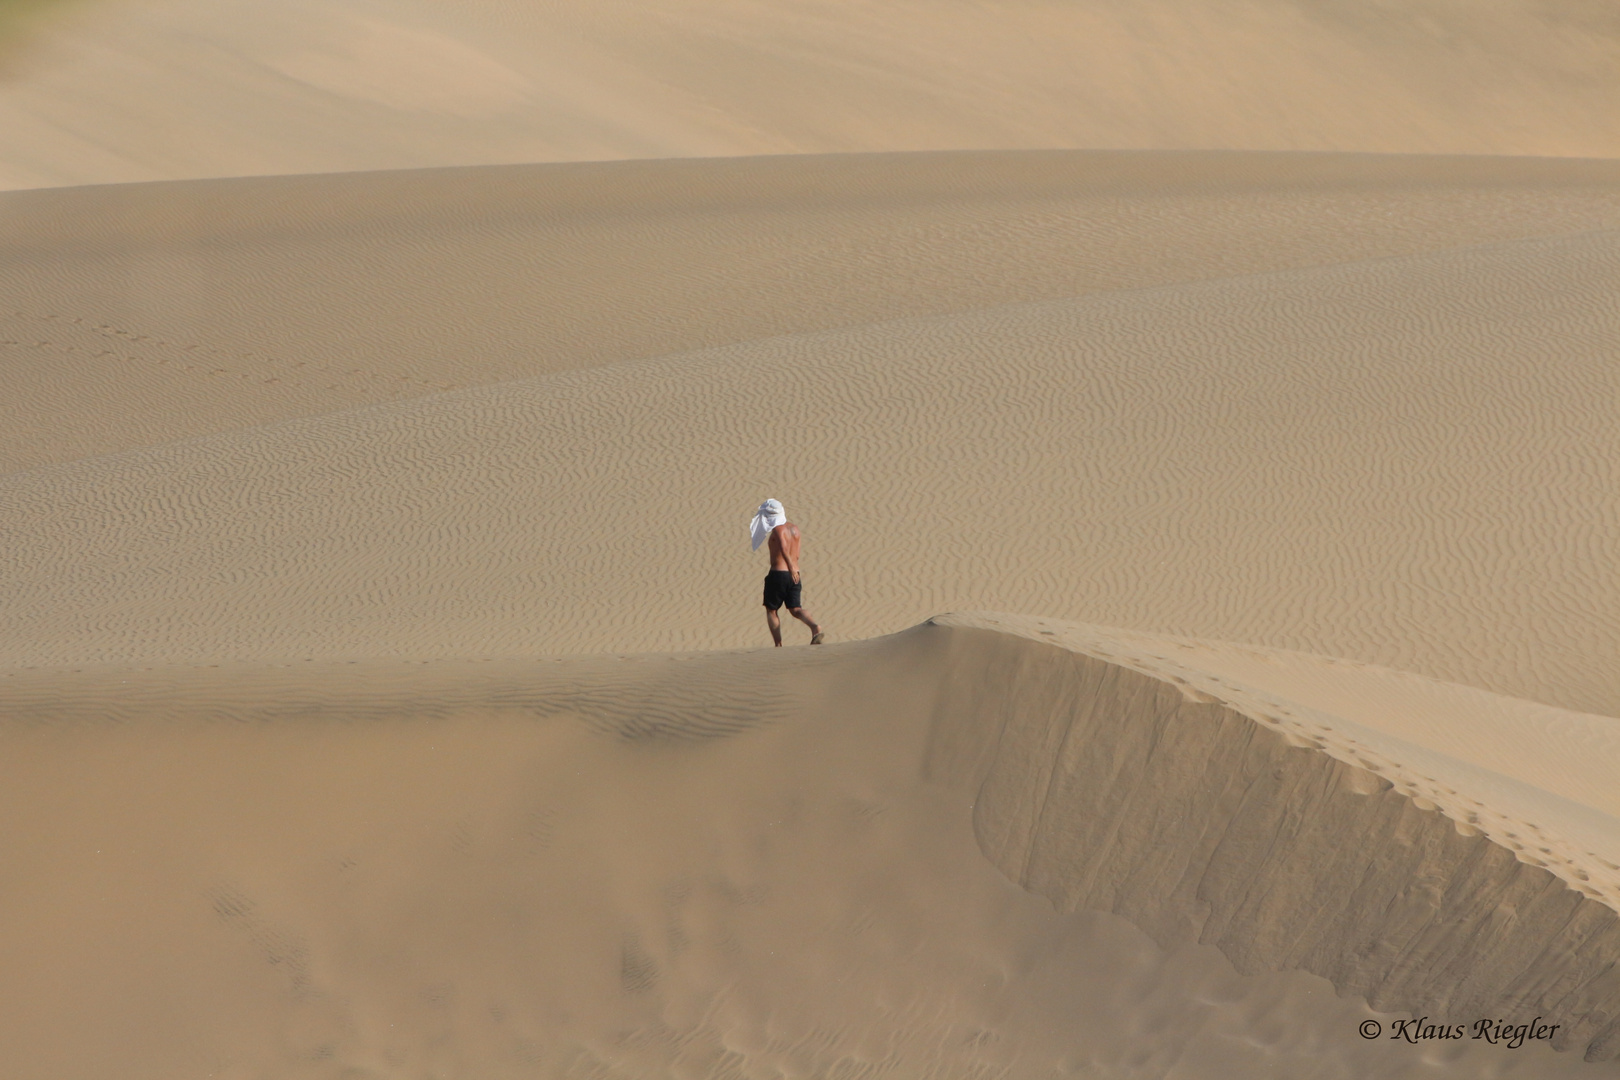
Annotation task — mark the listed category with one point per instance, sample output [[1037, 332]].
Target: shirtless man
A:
[[782, 584]]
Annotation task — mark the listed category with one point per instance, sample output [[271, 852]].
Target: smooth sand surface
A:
[[761, 863], [381, 690], [120, 90]]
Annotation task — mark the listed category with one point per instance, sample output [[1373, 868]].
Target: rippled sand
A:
[[1217, 545]]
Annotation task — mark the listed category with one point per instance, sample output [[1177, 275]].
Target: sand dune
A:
[[1090, 786], [359, 531], [149, 313], [1404, 461], [755, 862], [143, 313], [121, 90]]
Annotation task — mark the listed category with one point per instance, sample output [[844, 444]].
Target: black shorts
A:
[[780, 588]]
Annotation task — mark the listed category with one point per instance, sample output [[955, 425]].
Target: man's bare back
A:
[[785, 548]]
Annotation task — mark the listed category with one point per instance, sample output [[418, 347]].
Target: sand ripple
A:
[[137, 314], [1408, 462]]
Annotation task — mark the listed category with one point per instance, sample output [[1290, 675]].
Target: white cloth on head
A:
[[767, 517]]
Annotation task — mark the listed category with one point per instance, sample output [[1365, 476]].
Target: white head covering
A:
[[767, 517]]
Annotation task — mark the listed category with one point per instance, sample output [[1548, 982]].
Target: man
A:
[[782, 584]]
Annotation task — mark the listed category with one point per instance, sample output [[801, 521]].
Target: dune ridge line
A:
[[1105, 781], [1106, 770]]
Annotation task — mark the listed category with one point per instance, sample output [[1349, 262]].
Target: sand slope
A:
[[732, 864], [121, 90], [1101, 789], [1405, 461], [350, 523], [143, 313]]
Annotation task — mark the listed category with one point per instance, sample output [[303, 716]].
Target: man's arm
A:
[[791, 550]]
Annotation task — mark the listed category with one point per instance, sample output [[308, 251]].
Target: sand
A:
[[118, 90], [784, 863], [1407, 461], [200, 307], [1216, 539]]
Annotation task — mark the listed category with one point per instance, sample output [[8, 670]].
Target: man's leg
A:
[[805, 617], [775, 622]]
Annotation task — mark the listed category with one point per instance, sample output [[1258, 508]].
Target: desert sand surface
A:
[[1407, 461], [191, 308], [799, 863], [100, 91], [1204, 422]]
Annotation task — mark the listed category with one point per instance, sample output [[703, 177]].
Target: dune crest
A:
[[1130, 781], [740, 858]]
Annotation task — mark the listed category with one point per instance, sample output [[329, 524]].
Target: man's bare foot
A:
[[820, 636]]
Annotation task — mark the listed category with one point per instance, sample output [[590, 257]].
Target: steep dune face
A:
[[139, 314], [728, 864], [134, 90], [1405, 461], [1104, 787]]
